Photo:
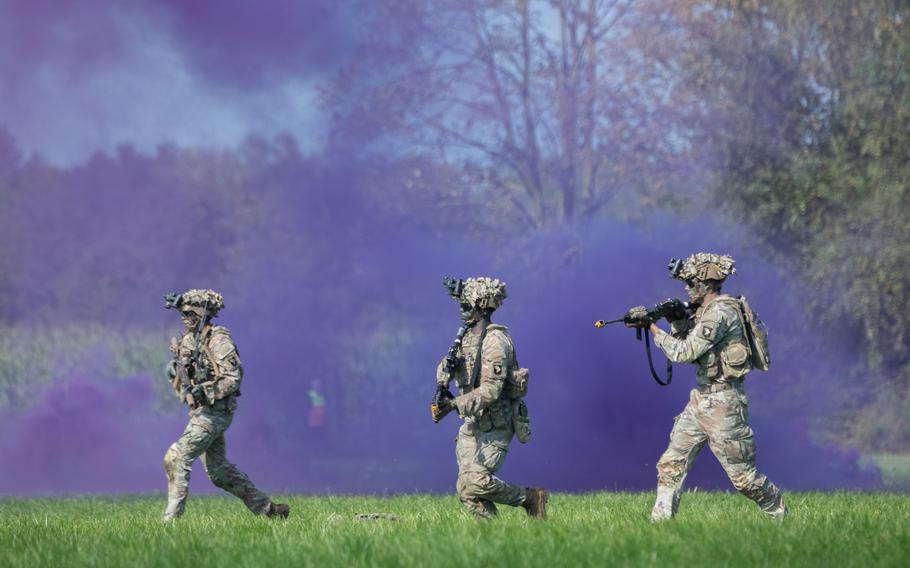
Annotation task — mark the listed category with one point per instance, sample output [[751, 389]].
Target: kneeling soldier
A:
[[492, 385]]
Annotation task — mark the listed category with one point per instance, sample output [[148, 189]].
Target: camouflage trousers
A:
[[204, 437], [480, 455], [719, 419]]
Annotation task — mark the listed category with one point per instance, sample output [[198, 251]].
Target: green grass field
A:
[[714, 529]]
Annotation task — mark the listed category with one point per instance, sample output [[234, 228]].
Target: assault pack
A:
[[756, 333]]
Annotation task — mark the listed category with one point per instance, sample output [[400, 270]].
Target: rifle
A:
[[186, 367], [671, 309], [442, 389], [181, 368]]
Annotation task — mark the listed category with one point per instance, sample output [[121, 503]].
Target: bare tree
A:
[[541, 101]]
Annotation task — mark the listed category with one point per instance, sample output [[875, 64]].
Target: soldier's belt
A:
[[220, 404], [718, 387]]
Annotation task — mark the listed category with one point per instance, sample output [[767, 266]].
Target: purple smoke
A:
[[332, 281], [83, 77], [323, 278], [242, 44]]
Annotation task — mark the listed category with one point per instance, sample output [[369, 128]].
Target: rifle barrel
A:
[[601, 323]]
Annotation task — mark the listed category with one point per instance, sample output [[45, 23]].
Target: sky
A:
[[81, 77]]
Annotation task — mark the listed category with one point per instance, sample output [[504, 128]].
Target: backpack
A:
[[756, 333]]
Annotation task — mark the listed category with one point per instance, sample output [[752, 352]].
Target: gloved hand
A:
[[443, 403], [198, 392], [637, 317]]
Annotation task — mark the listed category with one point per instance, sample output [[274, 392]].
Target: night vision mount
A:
[[172, 301], [453, 285], [674, 266]]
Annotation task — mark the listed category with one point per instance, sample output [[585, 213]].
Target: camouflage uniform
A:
[[718, 408], [483, 440], [209, 419]]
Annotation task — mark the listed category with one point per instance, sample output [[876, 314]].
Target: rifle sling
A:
[[651, 363], [478, 362], [216, 369], [203, 345]]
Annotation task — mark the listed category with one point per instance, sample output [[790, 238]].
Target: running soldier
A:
[[206, 375], [718, 409], [482, 362]]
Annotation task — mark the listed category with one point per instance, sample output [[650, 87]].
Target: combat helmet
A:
[[702, 266], [203, 302], [480, 292]]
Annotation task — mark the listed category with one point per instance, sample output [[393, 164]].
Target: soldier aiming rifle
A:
[[726, 339]]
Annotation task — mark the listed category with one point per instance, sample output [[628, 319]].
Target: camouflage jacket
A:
[[483, 404], [221, 371], [713, 339]]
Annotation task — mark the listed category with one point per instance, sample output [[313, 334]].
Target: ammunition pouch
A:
[[521, 421], [483, 422], [500, 413], [496, 416], [228, 403], [516, 385], [734, 359]]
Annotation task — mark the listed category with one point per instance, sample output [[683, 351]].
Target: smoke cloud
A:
[[162, 119], [84, 77], [340, 293]]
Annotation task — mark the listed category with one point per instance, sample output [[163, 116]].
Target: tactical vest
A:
[[509, 409], [208, 369], [729, 358]]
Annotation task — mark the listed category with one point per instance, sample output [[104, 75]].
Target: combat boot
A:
[[278, 510], [536, 502], [780, 513], [665, 505]]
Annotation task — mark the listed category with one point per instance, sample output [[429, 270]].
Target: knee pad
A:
[[478, 483], [170, 457], [671, 471], [170, 463]]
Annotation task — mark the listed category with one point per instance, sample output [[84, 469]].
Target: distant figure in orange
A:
[[316, 418]]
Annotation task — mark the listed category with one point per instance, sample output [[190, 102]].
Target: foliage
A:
[[810, 121], [806, 109], [583, 530], [32, 358], [895, 470], [143, 214]]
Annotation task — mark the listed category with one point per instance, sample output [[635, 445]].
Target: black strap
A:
[[651, 361], [475, 372]]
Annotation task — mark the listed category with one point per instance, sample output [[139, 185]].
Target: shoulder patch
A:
[[221, 345]]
